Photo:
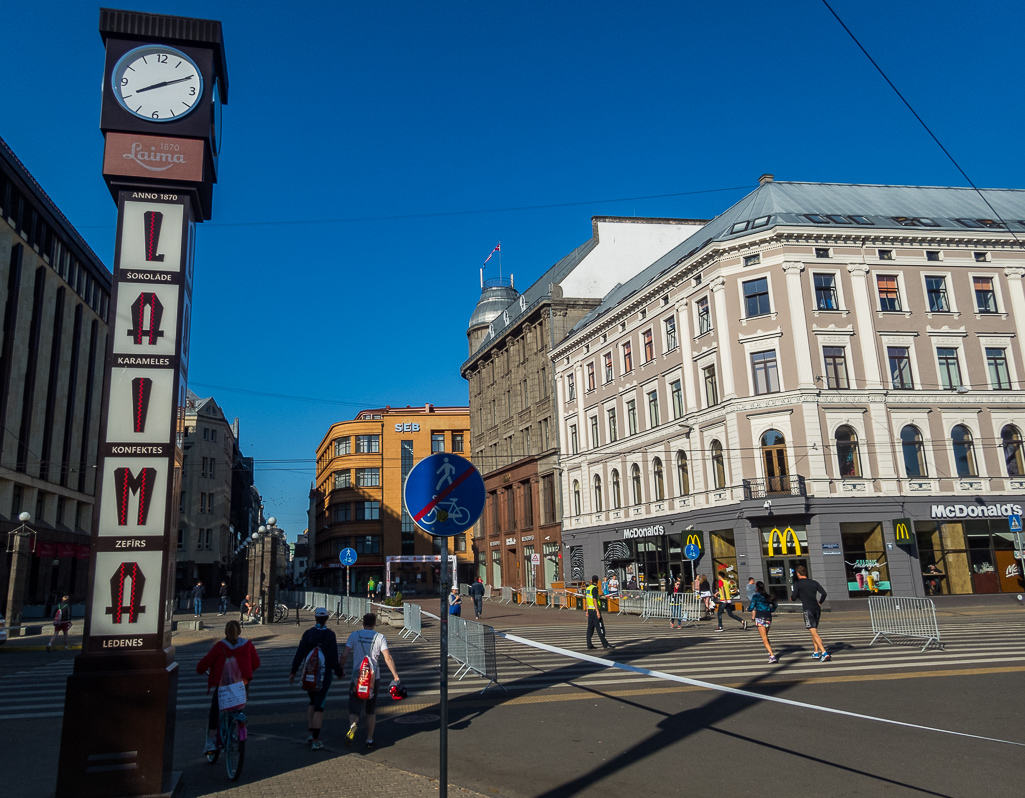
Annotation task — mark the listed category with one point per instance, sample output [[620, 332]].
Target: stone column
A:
[[685, 335], [798, 324], [864, 328], [1016, 299], [718, 286]]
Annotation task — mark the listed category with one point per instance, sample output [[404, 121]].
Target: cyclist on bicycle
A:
[[244, 653]]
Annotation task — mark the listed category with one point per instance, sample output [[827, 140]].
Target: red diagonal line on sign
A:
[[434, 503]]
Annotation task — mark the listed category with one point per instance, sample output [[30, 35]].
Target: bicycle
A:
[[280, 612], [232, 728], [444, 511]]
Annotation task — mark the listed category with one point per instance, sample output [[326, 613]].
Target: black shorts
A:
[[356, 704], [811, 619], [318, 697]]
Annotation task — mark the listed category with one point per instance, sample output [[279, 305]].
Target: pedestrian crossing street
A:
[[730, 657]]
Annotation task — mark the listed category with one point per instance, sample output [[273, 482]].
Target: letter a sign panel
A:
[[444, 494]]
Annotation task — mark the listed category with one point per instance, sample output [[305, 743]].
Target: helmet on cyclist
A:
[[398, 690]]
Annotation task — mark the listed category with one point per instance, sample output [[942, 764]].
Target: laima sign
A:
[[975, 510]]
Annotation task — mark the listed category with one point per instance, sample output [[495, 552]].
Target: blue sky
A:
[[370, 148]]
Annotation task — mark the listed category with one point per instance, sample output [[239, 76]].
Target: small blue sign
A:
[[1015, 522], [347, 556], [692, 551], [444, 494]]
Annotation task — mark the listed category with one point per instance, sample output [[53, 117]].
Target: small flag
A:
[[489, 257]]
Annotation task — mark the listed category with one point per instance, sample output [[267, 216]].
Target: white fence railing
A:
[[904, 617], [411, 622], [682, 608]]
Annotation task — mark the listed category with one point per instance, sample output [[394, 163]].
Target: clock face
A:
[[157, 83]]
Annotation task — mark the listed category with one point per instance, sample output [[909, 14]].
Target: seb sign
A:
[[407, 427], [975, 510]]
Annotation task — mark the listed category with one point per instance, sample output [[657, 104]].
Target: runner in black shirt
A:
[[811, 596]]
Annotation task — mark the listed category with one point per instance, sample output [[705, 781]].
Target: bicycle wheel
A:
[[212, 756], [280, 612], [234, 751]]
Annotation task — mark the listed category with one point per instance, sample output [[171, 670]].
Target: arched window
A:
[[1011, 438], [914, 452], [660, 479], [682, 474], [847, 457], [597, 494], [616, 496], [964, 451], [774, 457], [576, 497], [635, 482], [718, 465]]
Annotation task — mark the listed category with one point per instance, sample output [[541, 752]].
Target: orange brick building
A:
[[357, 500]]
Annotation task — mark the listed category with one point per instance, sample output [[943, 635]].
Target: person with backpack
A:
[[762, 607], [477, 594], [233, 646], [318, 655], [61, 622], [366, 646]]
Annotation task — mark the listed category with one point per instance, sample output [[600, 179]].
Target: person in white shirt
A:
[[363, 644]]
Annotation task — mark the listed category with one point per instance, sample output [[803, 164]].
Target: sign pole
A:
[[443, 686]]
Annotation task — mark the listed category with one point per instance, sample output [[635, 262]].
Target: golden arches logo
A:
[[694, 539], [901, 532], [788, 532]]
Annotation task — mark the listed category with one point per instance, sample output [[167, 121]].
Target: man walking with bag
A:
[[317, 642], [366, 646]]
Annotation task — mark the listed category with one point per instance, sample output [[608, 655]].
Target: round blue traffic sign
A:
[[347, 556], [692, 551], [444, 494]]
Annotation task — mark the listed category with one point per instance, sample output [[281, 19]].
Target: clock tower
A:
[[164, 82]]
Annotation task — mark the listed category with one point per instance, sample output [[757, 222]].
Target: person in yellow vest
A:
[[725, 604], [593, 607]]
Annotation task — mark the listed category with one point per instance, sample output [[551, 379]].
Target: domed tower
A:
[[495, 296]]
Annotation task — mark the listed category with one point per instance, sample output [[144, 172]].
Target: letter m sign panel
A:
[[904, 535]]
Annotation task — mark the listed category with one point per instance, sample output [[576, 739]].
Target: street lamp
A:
[[19, 569]]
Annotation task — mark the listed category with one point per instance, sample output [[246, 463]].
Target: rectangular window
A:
[[209, 502], [437, 442], [670, 325], [756, 297], [936, 292], [628, 359], [368, 444], [368, 477], [985, 297], [590, 376], [548, 498], [594, 432], [202, 467], [457, 441], [950, 369], [213, 435], [510, 507], [885, 254], [608, 367], [821, 252], [631, 417], [571, 388], [649, 346], [574, 444], [704, 316], [211, 471], [528, 505], [343, 446], [996, 362], [765, 372], [181, 539], [343, 479], [368, 544], [341, 513], [835, 358], [900, 367], [889, 293], [676, 392], [825, 292], [368, 511], [711, 386], [653, 409], [932, 254], [202, 502], [613, 431], [752, 260]]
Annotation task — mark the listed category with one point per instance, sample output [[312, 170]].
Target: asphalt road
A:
[[564, 727]]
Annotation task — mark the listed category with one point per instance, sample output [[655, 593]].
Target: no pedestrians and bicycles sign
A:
[[444, 494]]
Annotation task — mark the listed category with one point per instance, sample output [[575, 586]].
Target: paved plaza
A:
[[562, 726]]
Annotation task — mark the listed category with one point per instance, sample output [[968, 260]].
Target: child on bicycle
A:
[[232, 646]]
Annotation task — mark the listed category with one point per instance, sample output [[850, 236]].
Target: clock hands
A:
[[163, 83]]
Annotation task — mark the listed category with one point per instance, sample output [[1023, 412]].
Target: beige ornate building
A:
[[512, 416], [827, 375]]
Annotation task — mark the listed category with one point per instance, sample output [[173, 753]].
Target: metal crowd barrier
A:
[[528, 595], [507, 595], [631, 602], [464, 590], [472, 645], [411, 622], [487, 592], [904, 617], [684, 608]]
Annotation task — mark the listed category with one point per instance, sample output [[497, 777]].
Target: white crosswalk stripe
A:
[[698, 652]]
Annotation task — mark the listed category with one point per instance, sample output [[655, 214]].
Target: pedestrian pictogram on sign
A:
[[444, 494], [347, 556], [1014, 521]]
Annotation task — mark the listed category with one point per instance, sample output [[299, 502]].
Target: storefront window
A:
[[864, 554], [943, 557], [649, 563], [783, 549], [528, 567], [550, 560], [724, 558], [496, 568]]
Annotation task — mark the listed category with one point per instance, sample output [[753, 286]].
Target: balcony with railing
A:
[[773, 487]]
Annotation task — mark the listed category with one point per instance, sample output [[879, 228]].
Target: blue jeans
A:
[[224, 605], [199, 606]]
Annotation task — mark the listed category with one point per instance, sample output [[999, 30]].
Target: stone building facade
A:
[[825, 375], [512, 416], [53, 323]]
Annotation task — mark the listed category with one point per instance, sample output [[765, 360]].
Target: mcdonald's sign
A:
[[902, 533], [786, 533], [694, 546]]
